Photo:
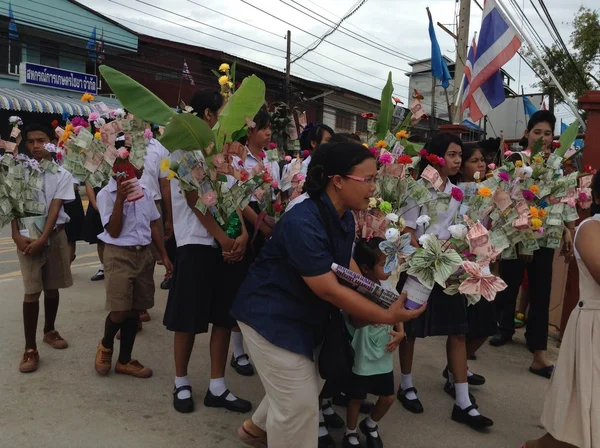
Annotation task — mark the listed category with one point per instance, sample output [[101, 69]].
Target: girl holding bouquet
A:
[[445, 315]]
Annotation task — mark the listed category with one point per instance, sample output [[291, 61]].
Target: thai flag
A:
[[498, 43], [186, 73], [13, 33]]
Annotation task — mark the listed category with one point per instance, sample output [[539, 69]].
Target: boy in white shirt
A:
[[44, 262]]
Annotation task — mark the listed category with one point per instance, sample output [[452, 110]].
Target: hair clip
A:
[[367, 239]]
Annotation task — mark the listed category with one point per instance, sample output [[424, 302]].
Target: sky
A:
[[389, 33]]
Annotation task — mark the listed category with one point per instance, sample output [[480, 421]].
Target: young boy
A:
[[129, 230], [44, 262]]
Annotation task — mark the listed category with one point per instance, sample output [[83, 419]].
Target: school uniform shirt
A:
[[274, 299], [369, 342], [303, 197], [252, 161], [411, 212], [155, 153], [137, 217], [58, 186]]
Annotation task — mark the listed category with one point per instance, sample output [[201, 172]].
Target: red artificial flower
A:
[[240, 163], [272, 145], [244, 175], [457, 194], [370, 115], [433, 159], [397, 100], [277, 208], [262, 154], [405, 160], [267, 178], [555, 144], [305, 153], [423, 153], [54, 124]]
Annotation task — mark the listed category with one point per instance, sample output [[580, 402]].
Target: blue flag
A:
[[12, 25], [577, 143], [91, 45], [439, 69], [530, 109]]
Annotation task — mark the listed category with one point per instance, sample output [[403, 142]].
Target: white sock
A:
[[450, 377], [182, 381], [322, 428], [353, 440], [217, 388], [329, 410], [371, 424], [406, 383], [101, 268], [462, 398], [237, 341], [469, 373]]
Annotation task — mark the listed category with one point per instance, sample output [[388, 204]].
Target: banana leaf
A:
[[244, 103], [137, 99], [384, 119], [537, 148], [187, 132], [567, 138]]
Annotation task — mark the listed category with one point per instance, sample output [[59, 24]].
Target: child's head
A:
[[344, 137], [473, 161], [449, 147], [541, 125], [260, 135], [370, 259], [36, 135], [314, 136], [208, 104]]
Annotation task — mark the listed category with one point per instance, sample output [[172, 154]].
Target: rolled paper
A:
[[372, 291], [417, 293]]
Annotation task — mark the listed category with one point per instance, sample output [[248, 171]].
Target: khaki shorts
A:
[[129, 278], [50, 269], [161, 232]]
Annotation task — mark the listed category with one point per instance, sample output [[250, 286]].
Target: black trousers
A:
[[539, 272]]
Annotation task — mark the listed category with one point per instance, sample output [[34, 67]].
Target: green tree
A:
[[585, 54]]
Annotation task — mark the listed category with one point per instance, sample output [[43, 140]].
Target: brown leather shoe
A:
[[54, 340], [103, 359], [30, 361], [144, 316], [133, 368]]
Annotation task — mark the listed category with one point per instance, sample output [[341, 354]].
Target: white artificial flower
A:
[[458, 231], [392, 235], [477, 175], [401, 224], [423, 220], [527, 171], [392, 217], [423, 238]]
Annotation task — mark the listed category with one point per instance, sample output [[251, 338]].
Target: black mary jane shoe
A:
[[473, 380], [500, 339], [366, 407], [332, 420], [246, 370], [98, 276], [185, 405], [372, 442], [413, 406], [474, 421], [325, 441], [238, 405], [165, 284], [346, 443], [451, 390]]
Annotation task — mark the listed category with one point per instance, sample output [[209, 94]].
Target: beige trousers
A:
[[289, 412]]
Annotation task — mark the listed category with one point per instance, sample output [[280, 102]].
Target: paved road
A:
[[66, 404]]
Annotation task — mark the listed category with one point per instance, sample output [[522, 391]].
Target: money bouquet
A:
[[204, 163], [14, 139]]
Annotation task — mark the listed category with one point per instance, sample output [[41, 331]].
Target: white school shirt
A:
[[303, 197], [251, 162], [411, 212], [137, 217], [58, 186], [155, 153]]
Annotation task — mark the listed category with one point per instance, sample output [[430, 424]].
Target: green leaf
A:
[[244, 103], [536, 148], [567, 138], [137, 99], [188, 133], [232, 75], [217, 74], [239, 134], [387, 109]]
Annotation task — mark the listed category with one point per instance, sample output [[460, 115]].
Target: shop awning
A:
[[22, 100]]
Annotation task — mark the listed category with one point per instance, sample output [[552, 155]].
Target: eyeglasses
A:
[[366, 180]]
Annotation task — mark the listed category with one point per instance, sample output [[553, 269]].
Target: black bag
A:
[[336, 358]]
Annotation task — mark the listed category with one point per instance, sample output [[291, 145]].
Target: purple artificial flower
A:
[[503, 175]]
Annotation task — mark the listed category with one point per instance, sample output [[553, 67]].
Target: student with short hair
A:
[[44, 262], [129, 230]]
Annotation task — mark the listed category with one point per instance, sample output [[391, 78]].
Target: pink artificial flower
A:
[[93, 116], [262, 154], [78, 121], [374, 151], [508, 153], [77, 129], [528, 195], [277, 208], [122, 153], [305, 153], [288, 159], [148, 134], [423, 152], [275, 184], [209, 199], [540, 231], [299, 177], [441, 161], [240, 163], [59, 156], [571, 202], [219, 160], [457, 194], [583, 197], [272, 145], [386, 159], [492, 166], [504, 176]]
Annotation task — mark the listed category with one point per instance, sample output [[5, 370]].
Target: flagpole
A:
[[541, 60], [180, 84]]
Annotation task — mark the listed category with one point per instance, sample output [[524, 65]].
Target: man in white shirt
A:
[[44, 262]]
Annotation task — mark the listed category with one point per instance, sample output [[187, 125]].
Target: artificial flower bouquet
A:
[[14, 138]]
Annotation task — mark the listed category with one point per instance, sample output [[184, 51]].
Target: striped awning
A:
[[22, 100]]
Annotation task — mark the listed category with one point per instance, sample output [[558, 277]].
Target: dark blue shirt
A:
[[274, 299]]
